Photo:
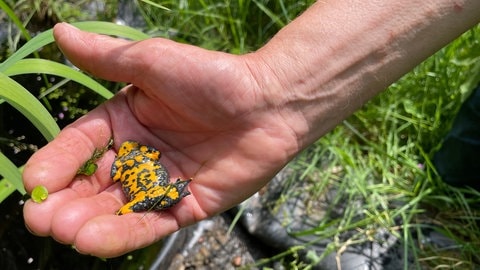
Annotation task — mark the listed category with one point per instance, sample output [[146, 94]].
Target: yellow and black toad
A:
[[145, 181]]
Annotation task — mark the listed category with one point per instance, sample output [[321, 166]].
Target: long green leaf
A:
[[26, 66], [12, 174], [112, 29], [6, 188], [31, 46], [19, 97], [44, 38]]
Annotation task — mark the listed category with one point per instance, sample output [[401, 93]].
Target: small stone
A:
[[237, 261]]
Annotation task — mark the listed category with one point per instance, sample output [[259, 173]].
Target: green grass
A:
[[378, 160], [231, 26]]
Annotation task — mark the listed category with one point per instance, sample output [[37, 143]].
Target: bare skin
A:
[[230, 122]]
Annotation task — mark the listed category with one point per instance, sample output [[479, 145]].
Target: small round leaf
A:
[[39, 194]]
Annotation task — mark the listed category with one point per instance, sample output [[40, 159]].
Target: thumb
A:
[[109, 58]]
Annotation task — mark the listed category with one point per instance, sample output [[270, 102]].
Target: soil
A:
[[210, 245]]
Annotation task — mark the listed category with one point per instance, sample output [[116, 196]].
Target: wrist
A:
[[316, 72]]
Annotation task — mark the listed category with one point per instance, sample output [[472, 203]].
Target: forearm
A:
[[338, 54]]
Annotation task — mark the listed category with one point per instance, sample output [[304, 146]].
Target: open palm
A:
[[209, 114]]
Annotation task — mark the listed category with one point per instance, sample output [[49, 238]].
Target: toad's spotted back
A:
[[145, 181]]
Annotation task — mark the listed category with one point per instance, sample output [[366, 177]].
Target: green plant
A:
[[231, 26]]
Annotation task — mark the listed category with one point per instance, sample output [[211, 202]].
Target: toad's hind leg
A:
[[172, 194], [127, 208], [140, 202]]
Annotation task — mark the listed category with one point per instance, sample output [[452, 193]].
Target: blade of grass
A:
[[9, 171], [112, 29], [6, 188], [51, 89], [26, 66], [15, 20], [155, 4], [270, 14], [22, 100]]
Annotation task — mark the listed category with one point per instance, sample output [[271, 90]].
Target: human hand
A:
[[230, 122], [212, 115]]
